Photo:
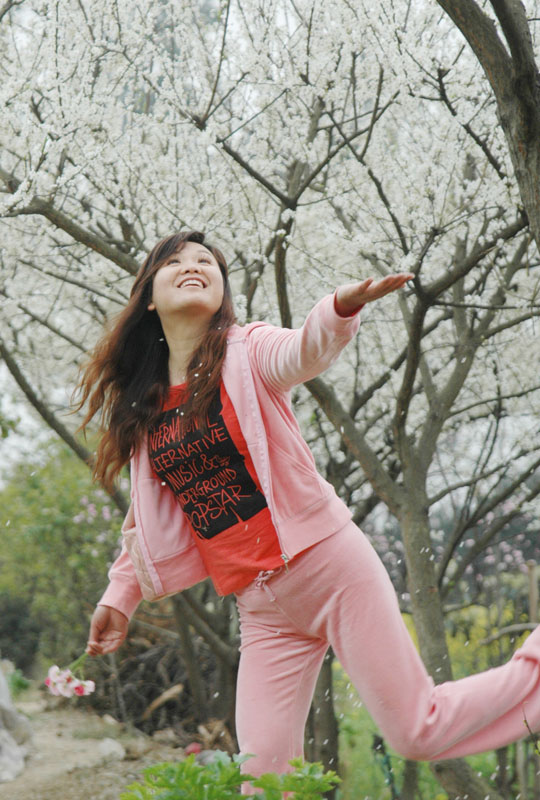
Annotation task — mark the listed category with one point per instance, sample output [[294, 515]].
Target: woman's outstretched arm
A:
[[285, 357], [352, 296]]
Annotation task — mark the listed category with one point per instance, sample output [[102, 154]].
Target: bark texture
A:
[[506, 54]]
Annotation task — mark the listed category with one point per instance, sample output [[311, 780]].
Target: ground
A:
[[74, 754]]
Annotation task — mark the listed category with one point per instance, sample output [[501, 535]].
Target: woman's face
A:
[[189, 283]]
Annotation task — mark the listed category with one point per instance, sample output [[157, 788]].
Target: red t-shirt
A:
[[212, 475]]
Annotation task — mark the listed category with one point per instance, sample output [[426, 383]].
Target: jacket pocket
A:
[[133, 547], [296, 484]]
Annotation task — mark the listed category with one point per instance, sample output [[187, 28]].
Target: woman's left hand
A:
[[351, 296]]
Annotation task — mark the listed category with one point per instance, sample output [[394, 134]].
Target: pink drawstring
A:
[[263, 577]]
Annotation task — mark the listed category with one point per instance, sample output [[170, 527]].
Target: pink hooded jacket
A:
[[262, 364]]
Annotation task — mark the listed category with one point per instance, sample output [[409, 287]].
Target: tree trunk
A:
[[322, 728], [425, 600], [409, 787], [512, 72], [502, 780], [191, 662], [459, 781], [455, 776]]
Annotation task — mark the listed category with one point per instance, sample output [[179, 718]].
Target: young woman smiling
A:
[[223, 485]]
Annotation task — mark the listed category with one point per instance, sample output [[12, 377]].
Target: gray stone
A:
[[137, 746], [11, 757], [111, 750], [14, 730]]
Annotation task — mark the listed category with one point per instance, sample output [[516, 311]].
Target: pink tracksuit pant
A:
[[338, 593]]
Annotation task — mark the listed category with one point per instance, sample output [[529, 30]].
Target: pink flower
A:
[[51, 680], [63, 681], [67, 683], [88, 687]]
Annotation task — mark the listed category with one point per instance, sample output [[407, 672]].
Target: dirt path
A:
[[75, 755]]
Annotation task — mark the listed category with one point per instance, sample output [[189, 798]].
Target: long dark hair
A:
[[127, 376]]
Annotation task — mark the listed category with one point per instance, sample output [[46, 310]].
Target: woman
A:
[[224, 485]]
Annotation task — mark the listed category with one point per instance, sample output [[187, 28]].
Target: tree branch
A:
[[464, 267], [514, 24], [407, 384], [483, 508], [8, 5], [61, 220], [482, 144], [386, 488], [227, 654], [288, 202], [46, 324], [52, 420], [481, 34], [220, 63]]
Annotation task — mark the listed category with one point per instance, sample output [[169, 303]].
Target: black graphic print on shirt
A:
[[206, 472]]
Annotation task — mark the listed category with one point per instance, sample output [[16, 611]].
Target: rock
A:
[[17, 725], [11, 757], [109, 720], [6, 666], [166, 736], [205, 757], [137, 747], [111, 750], [14, 730]]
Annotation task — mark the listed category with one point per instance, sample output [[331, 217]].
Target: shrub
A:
[[19, 631], [221, 780], [17, 683]]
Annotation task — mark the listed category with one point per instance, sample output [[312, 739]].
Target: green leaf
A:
[[222, 779]]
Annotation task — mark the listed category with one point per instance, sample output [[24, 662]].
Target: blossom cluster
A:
[[63, 682]]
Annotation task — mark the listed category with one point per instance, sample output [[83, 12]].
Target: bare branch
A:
[[288, 202], [280, 270], [67, 278], [467, 127], [49, 325], [511, 14], [486, 401], [487, 504], [509, 630], [405, 393], [220, 64], [61, 220], [478, 253], [385, 487], [8, 5], [480, 32], [226, 653], [52, 420]]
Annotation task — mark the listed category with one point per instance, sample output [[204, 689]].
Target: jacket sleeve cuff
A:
[[352, 313], [124, 595]]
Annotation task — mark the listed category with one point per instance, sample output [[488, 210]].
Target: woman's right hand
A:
[[108, 629]]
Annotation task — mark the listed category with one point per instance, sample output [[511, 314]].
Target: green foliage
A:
[[7, 425], [363, 776], [59, 534], [307, 782], [17, 683], [19, 632], [221, 780]]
